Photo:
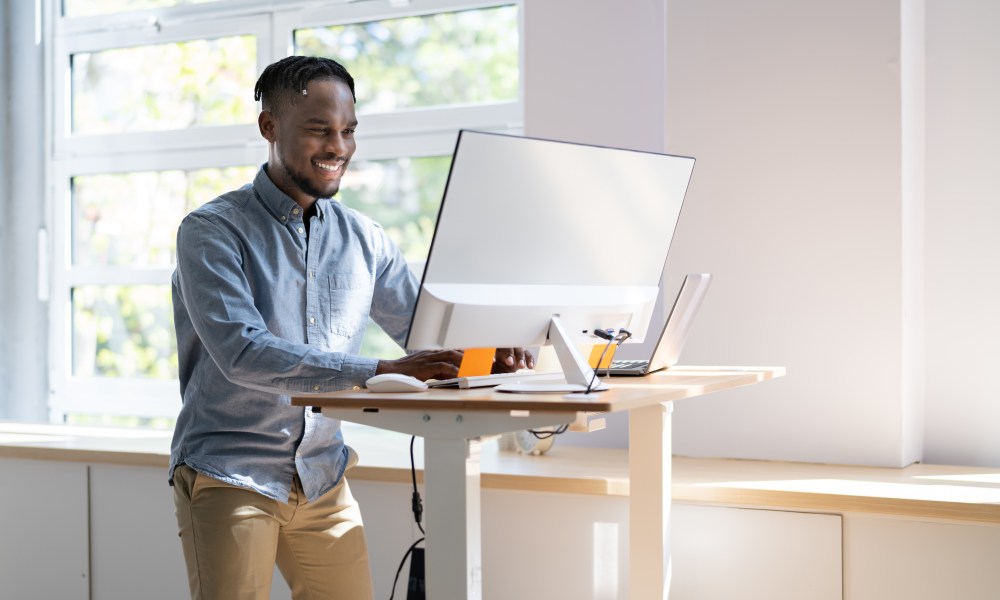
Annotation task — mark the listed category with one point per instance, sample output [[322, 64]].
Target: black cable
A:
[[544, 435], [623, 334], [415, 503], [409, 551], [418, 509], [590, 386]]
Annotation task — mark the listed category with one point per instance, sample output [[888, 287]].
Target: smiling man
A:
[[311, 138], [274, 285]]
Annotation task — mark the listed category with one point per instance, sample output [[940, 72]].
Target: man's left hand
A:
[[508, 360]]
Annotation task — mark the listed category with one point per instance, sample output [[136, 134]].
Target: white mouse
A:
[[395, 382]]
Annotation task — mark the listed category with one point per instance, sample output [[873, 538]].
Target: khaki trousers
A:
[[232, 538]]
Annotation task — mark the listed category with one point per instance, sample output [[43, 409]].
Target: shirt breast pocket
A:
[[350, 303]]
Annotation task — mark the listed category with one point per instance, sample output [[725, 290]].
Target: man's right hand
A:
[[424, 365]]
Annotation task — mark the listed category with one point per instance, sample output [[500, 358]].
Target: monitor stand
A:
[[576, 370]]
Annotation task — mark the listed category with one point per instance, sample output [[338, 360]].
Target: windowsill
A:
[[920, 491], [85, 444]]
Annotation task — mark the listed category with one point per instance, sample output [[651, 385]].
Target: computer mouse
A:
[[395, 382]]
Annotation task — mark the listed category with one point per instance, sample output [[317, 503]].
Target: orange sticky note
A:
[[476, 361], [595, 355]]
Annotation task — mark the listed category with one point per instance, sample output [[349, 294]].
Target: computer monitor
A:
[[542, 242]]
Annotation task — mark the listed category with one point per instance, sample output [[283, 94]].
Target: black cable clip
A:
[[418, 507], [605, 334]]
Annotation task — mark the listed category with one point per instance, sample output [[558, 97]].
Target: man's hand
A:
[[508, 360], [424, 365], [443, 364]]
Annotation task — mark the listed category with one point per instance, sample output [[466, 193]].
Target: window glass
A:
[[378, 344], [123, 331], [121, 233], [89, 8], [131, 219], [448, 58], [402, 195], [167, 86]]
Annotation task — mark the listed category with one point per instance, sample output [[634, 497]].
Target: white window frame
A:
[[407, 133]]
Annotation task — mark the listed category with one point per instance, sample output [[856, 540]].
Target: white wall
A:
[[963, 244], [595, 76], [843, 254], [840, 251], [793, 109]]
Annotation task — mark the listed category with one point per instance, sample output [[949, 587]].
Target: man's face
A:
[[311, 141]]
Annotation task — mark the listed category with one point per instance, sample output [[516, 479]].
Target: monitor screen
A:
[[531, 229]]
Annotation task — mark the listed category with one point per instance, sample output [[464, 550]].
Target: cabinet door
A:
[[134, 544], [43, 530], [720, 553], [920, 560]]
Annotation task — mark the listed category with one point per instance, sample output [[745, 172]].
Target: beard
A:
[[305, 185]]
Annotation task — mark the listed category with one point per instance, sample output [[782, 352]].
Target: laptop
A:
[[675, 330]]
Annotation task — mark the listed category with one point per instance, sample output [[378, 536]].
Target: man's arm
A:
[[220, 304]]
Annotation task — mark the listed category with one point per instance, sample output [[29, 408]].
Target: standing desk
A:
[[452, 423]]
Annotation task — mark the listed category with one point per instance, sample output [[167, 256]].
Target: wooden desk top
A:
[[625, 393]]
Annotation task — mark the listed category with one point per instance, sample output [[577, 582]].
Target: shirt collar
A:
[[278, 203]]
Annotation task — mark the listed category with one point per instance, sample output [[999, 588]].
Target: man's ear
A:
[[267, 124]]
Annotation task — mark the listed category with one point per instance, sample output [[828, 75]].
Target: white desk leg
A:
[[649, 502], [452, 514]]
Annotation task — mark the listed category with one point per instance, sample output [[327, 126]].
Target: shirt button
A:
[[300, 230], [298, 455], [284, 218], [312, 320], [295, 211]]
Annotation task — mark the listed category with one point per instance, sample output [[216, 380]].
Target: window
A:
[[467, 57], [164, 86], [153, 115], [128, 221]]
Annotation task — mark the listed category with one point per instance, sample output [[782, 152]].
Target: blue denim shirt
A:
[[264, 311]]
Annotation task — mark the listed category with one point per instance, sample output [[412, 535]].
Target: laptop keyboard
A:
[[628, 364]]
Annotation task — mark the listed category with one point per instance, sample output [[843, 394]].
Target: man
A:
[[273, 288]]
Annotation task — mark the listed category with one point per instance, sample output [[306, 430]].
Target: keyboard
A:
[[629, 364], [478, 381], [629, 367]]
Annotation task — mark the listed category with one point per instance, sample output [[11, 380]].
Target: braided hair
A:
[[287, 79]]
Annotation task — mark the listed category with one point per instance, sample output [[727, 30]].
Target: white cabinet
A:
[[558, 546], [74, 531], [43, 530], [920, 560], [134, 535], [720, 553]]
